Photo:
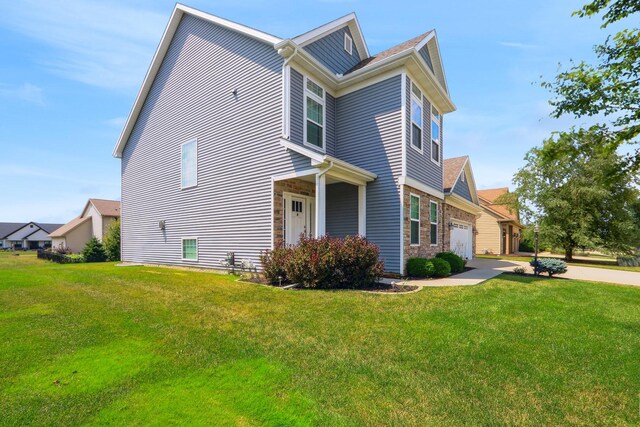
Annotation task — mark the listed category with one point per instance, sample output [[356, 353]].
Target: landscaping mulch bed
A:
[[377, 288]]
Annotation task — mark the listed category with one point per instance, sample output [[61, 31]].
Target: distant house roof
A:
[[452, 169], [409, 44], [488, 198], [7, 228], [71, 225], [106, 207]]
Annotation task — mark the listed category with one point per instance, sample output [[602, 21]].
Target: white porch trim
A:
[[405, 180], [321, 204], [362, 210]]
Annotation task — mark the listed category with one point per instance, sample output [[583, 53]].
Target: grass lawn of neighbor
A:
[[101, 344], [608, 264]]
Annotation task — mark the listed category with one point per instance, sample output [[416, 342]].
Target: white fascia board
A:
[[462, 203], [319, 160], [471, 182], [405, 180], [426, 39], [158, 57], [447, 103]]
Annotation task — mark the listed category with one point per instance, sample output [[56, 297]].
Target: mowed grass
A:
[[98, 344]]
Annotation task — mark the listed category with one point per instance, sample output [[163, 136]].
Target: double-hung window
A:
[[190, 249], [435, 135], [415, 220], [433, 218], [314, 114], [189, 164], [416, 117]]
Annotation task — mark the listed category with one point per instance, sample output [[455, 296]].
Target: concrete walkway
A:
[[485, 269]]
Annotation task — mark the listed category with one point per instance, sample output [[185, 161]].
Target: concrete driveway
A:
[[592, 274], [485, 269]]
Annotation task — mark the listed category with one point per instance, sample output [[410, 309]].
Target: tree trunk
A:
[[568, 254]]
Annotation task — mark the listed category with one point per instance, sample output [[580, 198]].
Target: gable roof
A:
[[7, 228], [71, 225], [487, 201], [178, 12], [105, 207], [350, 20], [452, 170], [407, 52]]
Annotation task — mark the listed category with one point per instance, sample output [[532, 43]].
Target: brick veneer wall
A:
[[295, 186], [453, 213], [425, 249]]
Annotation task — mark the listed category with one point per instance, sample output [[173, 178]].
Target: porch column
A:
[[321, 202], [362, 210]]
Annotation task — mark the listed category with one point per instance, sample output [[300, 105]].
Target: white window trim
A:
[[322, 101], [348, 41], [181, 171], [412, 220], [462, 176], [431, 203], [421, 103], [437, 141], [182, 249]]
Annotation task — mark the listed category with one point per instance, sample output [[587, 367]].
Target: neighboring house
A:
[[92, 222], [461, 207], [30, 235], [499, 227], [240, 140]]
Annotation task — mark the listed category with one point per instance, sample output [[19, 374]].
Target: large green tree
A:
[[611, 87], [574, 186]]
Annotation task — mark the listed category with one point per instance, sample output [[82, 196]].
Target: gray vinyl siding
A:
[[369, 134], [424, 53], [238, 150], [419, 165], [462, 190], [329, 50], [296, 131], [342, 210]]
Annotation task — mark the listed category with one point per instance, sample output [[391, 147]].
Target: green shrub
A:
[[420, 267], [442, 267], [93, 251], [326, 262], [549, 265], [455, 262], [273, 264], [111, 241]]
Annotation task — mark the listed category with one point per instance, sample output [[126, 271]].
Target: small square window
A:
[[190, 249], [348, 44]]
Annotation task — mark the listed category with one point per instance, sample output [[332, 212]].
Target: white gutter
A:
[[286, 80]]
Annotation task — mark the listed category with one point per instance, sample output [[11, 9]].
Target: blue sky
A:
[[70, 71]]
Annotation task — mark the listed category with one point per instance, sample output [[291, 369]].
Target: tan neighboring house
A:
[[499, 228], [93, 221], [461, 207]]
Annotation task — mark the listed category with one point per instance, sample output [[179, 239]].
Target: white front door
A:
[[462, 239], [297, 218]]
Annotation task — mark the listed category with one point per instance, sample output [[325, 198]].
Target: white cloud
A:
[[25, 92], [117, 122], [106, 45], [518, 45]]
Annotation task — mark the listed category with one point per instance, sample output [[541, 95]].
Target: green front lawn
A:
[[609, 265], [99, 344]]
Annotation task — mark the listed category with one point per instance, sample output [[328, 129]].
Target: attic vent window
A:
[[462, 176], [348, 44]]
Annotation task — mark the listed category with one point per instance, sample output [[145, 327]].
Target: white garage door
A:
[[462, 239]]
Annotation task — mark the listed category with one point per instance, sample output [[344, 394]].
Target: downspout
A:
[[285, 91]]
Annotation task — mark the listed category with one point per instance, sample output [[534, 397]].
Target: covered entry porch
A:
[[328, 198]]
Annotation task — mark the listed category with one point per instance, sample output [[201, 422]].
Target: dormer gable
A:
[[338, 45]]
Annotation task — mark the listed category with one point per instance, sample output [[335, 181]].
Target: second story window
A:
[[314, 114], [189, 164], [416, 117], [435, 135]]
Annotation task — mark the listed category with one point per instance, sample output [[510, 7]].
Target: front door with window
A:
[[297, 218]]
